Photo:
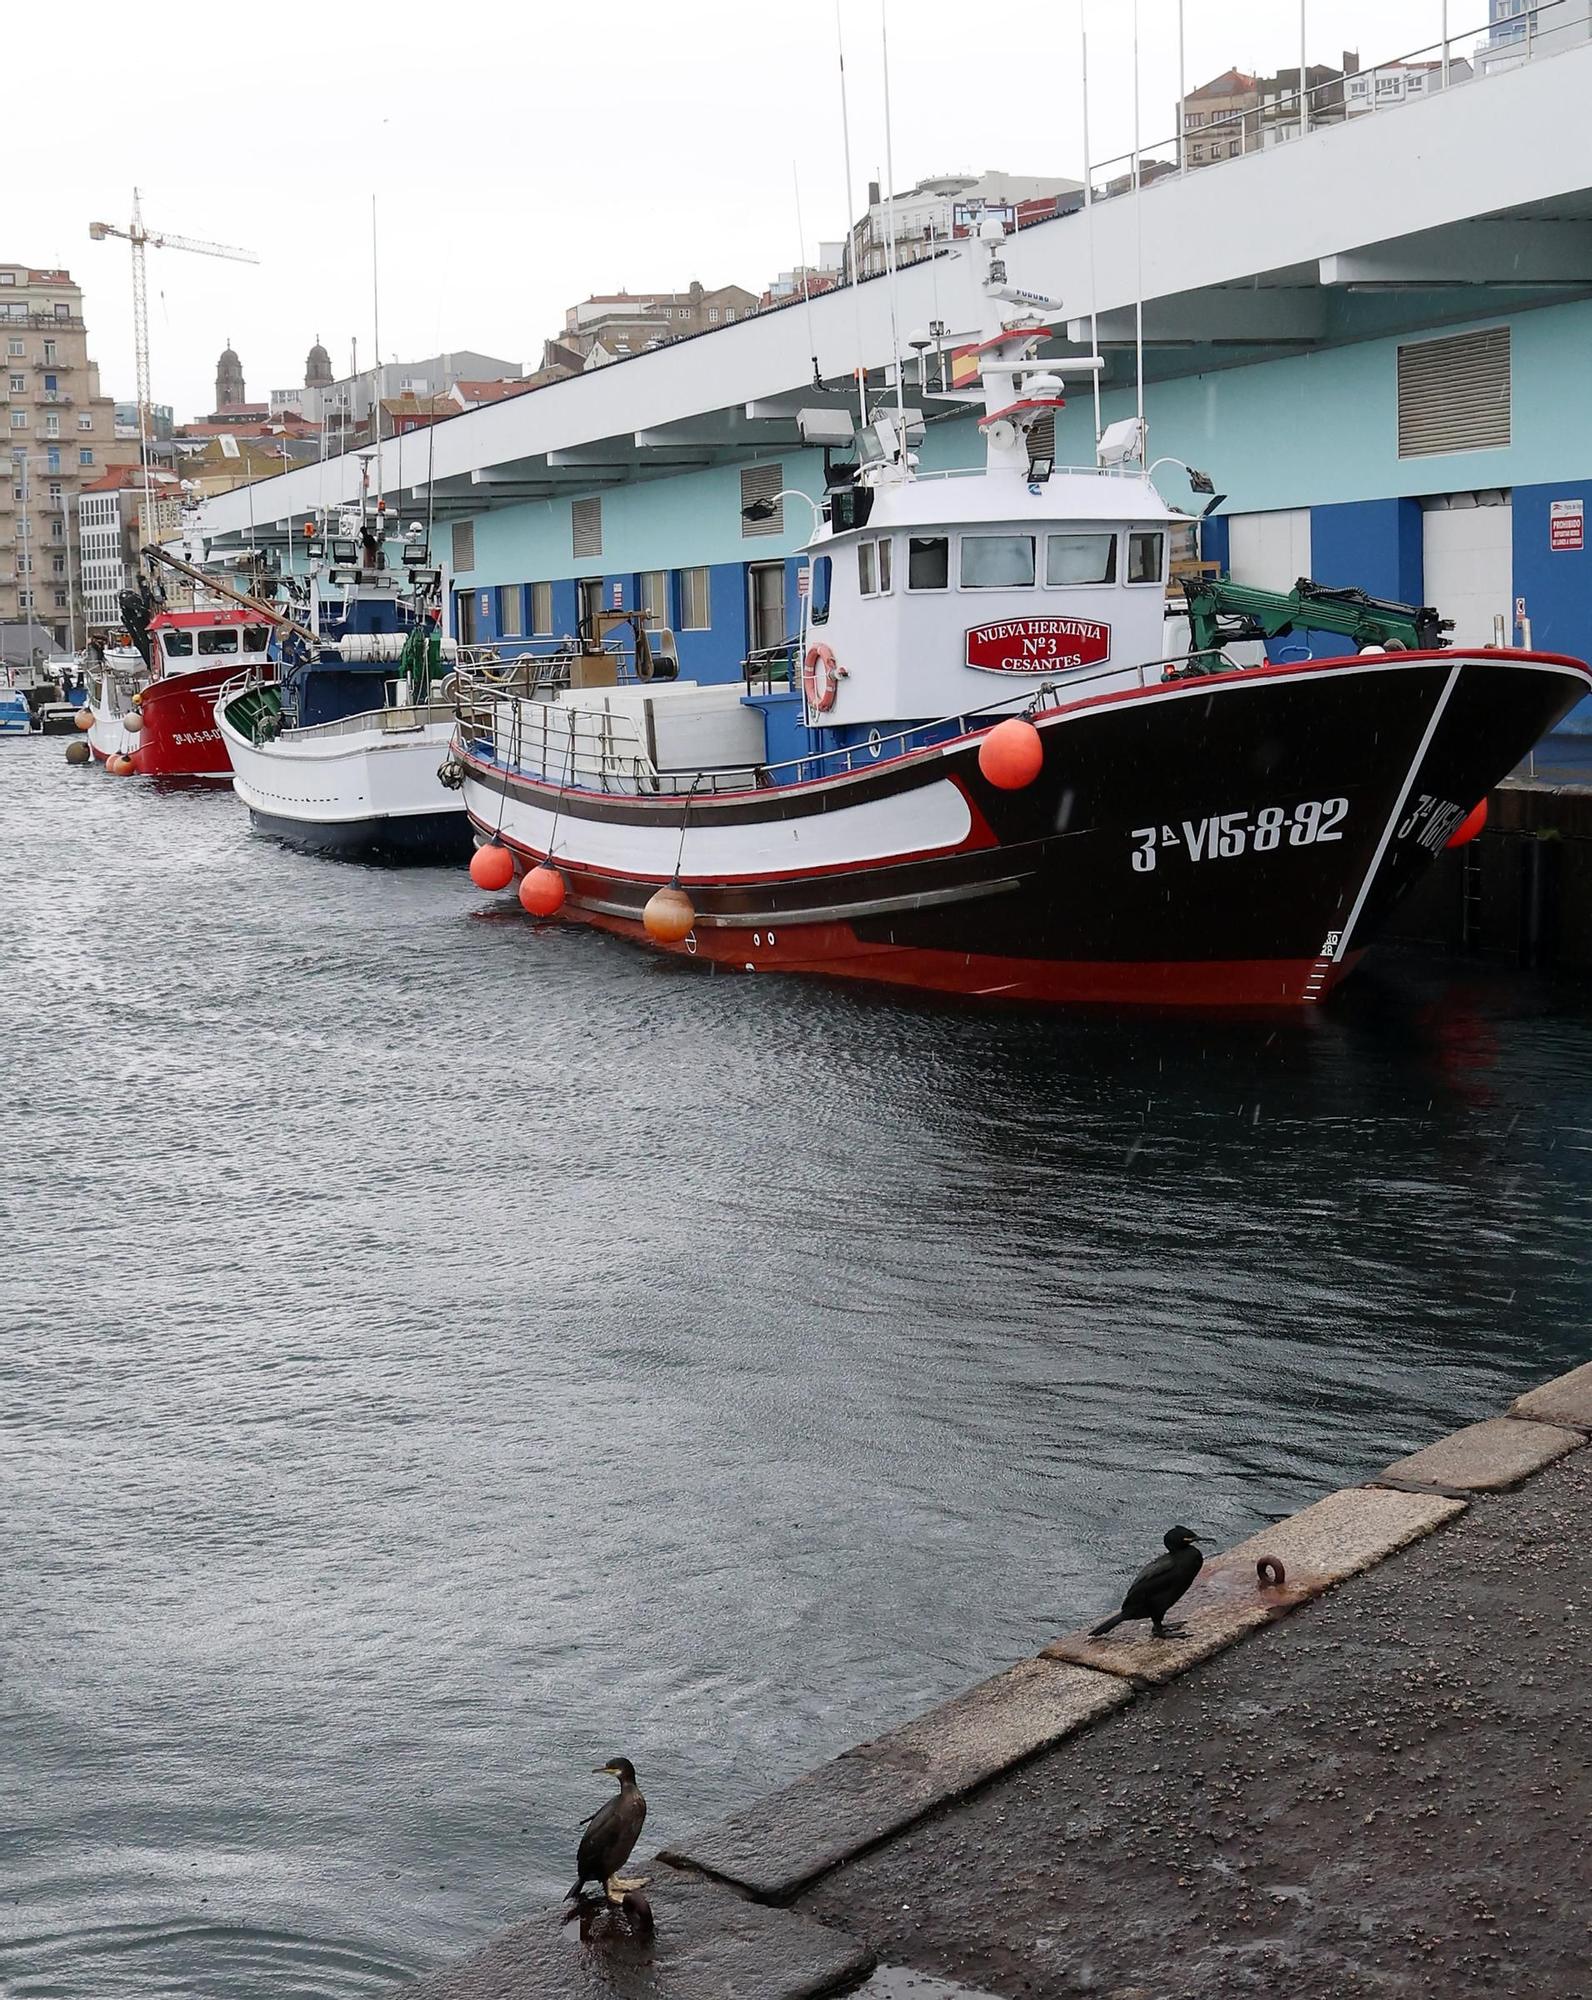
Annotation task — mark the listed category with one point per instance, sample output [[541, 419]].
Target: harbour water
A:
[[439, 1354]]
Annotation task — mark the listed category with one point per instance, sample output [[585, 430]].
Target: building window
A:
[[52, 425], [85, 423], [997, 562], [713, 314], [84, 457], [60, 600], [463, 547], [928, 562], [695, 601], [652, 596], [1234, 148], [1144, 555], [18, 384], [509, 612], [58, 565], [1074, 559], [19, 420], [586, 526], [15, 348], [49, 352], [729, 312], [541, 610]]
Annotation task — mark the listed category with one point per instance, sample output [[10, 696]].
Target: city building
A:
[[59, 430], [112, 528], [946, 206], [1374, 347], [161, 423], [1221, 119], [345, 403], [611, 325], [1280, 109], [1521, 30], [1392, 84]]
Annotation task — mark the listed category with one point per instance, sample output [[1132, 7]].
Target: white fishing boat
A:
[[340, 755]]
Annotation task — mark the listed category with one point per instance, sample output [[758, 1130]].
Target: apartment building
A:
[[610, 325], [112, 528], [59, 431]]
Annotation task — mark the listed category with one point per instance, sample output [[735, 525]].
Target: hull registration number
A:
[[1223, 836]]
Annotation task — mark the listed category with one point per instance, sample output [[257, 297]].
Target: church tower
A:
[[317, 367], [229, 378]]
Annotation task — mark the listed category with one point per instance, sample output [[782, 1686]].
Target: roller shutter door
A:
[[1467, 546], [1269, 551]]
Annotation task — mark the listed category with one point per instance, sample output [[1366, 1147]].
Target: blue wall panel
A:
[[1374, 545]]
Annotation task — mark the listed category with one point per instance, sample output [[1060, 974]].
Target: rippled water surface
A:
[[438, 1354]]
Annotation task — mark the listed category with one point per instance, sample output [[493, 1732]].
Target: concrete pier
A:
[[1383, 1792], [1522, 892]]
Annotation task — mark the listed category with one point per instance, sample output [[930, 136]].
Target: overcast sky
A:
[[525, 156]]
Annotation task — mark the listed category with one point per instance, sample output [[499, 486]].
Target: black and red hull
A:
[[1233, 840]]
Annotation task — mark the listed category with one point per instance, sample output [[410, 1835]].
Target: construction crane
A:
[[141, 239]]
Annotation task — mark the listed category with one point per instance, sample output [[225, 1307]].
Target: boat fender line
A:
[[821, 678], [1269, 1570]]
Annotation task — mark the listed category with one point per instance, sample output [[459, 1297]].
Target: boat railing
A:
[[394, 719], [598, 749]]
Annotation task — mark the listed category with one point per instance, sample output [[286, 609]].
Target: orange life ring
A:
[[821, 678]]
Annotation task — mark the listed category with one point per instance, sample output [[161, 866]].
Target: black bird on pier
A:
[[1159, 1585], [611, 1835]]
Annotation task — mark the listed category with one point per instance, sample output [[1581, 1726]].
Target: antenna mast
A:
[[890, 235], [1088, 220], [851, 239]]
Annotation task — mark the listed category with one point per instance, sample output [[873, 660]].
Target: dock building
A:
[[1372, 338]]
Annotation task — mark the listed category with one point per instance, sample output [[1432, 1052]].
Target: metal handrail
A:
[[633, 769], [1285, 112]]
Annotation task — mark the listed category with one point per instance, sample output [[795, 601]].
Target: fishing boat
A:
[[341, 754], [979, 773], [116, 676], [16, 717], [193, 633]]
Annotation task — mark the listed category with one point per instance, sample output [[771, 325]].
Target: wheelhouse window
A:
[[928, 562], [884, 566], [695, 600], [997, 562], [822, 581], [867, 580], [1073, 559], [179, 645], [256, 638], [1146, 555], [219, 639]]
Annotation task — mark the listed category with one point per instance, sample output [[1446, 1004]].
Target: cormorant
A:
[[1159, 1585], [611, 1834]]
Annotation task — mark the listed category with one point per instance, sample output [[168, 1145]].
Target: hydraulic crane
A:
[[1221, 614], [141, 238]]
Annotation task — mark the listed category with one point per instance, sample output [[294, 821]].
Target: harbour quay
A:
[[1356, 1770]]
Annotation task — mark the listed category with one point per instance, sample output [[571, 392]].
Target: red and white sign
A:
[[1566, 524], [1037, 645]]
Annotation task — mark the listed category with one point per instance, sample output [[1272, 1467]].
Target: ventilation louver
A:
[[1454, 394]]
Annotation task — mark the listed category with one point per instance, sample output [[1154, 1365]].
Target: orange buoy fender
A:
[[84, 718], [1469, 827], [492, 867], [132, 721], [542, 891], [1012, 754], [821, 678], [669, 914]]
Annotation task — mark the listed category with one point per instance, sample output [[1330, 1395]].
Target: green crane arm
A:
[[1221, 614]]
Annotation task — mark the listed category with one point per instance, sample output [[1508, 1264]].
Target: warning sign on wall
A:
[[1566, 524]]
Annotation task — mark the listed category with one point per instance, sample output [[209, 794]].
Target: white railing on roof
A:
[[1541, 28]]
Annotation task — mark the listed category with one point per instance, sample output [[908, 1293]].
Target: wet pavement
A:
[[1386, 1794]]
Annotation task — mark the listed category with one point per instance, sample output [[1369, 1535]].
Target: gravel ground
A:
[[1385, 1795]]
